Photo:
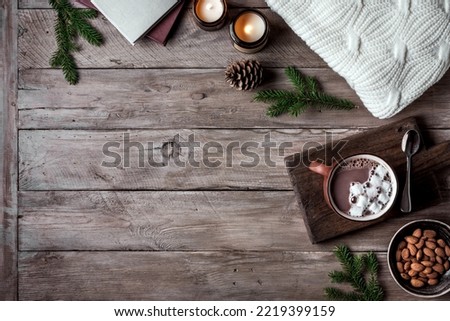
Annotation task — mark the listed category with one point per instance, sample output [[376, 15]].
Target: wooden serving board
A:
[[321, 222]]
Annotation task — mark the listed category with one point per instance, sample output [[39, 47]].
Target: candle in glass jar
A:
[[210, 14], [249, 31]]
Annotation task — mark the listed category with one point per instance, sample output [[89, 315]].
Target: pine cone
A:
[[244, 74]]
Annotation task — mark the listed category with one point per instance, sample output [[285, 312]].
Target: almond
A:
[[429, 234], [420, 244], [439, 260], [428, 270], [425, 258], [412, 273], [441, 243], [417, 267], [433, 259], [405, 254], [401, 245], [412, 249], [447, 250], [398, 255], [400, 267], [423, 279], [422, 275], [417, 233], [440, 252], [419, 255], [407, 266], [430, 245], [426, 251], [438, 268], [433, 275], [411, 239], [417, 283], [447, 265], [427, 263], [433, 281], [405, 276]]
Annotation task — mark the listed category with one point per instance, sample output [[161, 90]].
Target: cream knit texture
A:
[[390, 52]]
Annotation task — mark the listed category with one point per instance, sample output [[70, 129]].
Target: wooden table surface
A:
[[73, 229]]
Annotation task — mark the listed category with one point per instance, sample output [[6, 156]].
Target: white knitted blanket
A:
[[389, 51]]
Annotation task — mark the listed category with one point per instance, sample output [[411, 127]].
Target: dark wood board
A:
[[321, 222]]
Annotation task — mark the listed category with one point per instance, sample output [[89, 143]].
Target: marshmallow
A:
[[381, 171], [375, 208], [356, 211], [383, 198], [356, 188], [362, 201]]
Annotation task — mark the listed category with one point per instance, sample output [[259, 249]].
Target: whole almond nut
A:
[[420, 244], [407, 266], [411, 239], [439, 252], [426, 251], [422, 275], [439, 260], [441, 243], [412, 249], [439, 268], [400, 267], [398, 255], [417, 283], [402, 245], [417, 267], [425, 258], [405, 276], [433, 275], [428, 270], [417, 233], [431, 240], [447, 250], [423, 279], [433, 259], [429, 234], [427, 263], [405, 254], [430, 245], [412, 273], [433, 281], [419, 255], [447, 265]]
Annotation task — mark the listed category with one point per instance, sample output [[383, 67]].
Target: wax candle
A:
[[210, 14], [249, 31]]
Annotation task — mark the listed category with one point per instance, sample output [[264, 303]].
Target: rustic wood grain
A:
[[309, 188], [189, 46], [198, 98], [158, 276], [72, 160], [185, 221], [8, 146]]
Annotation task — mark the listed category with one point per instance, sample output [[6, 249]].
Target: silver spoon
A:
[[410, 146]]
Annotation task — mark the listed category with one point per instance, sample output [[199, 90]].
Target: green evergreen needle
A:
[[306, 94], [71, 23]]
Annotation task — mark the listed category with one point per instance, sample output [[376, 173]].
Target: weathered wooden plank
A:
[[72, 160], [8, 146], [43, 4], [180, 221], [183, 276], [216, 159], [197, 97], [190, 46]]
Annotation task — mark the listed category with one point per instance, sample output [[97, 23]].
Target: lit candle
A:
[[210, 14], [249, 31]]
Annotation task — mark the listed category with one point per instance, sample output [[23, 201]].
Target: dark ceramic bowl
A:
[[443, 231]]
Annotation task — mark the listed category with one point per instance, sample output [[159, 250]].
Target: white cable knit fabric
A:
[[389, 51]]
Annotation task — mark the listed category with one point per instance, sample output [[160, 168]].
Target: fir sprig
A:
[[358, 270], [71, 23], [307, 94]]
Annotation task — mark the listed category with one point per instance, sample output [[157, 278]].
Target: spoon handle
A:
[[405, 205]]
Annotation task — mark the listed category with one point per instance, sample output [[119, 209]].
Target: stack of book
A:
[[134, 19]]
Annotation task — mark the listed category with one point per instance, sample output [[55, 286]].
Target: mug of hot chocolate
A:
[[361, 187]]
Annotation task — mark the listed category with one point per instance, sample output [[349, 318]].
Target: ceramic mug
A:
[[367, 199]]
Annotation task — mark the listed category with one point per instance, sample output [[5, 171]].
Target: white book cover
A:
[[134, 18]]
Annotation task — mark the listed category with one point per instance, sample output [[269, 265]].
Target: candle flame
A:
[[248, 29]]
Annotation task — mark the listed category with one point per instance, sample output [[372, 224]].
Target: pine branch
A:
[[71, 23], [355, 268], [306, 94]]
